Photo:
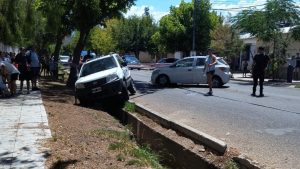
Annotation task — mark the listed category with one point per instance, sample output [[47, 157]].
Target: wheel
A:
[[83, 102], [124, 93], [163, 80], [217, 82], [131, 88]]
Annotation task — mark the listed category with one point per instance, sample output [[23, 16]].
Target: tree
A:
[[134, 34], [86, 15], [176, 29], [101, 40], [267, 26], [226, 42]]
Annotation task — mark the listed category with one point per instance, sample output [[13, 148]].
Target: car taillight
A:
[[222, 69]]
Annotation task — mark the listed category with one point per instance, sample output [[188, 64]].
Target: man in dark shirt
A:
[[260, 62]]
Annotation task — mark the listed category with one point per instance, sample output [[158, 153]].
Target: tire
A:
[[131, 88], [163, 80], [217, 82], [83, 102], [124, 94]]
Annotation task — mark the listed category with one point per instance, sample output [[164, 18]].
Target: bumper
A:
[[227, 77], [100, 92]]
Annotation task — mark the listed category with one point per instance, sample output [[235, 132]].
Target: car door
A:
[[182, 71], [198, 74]]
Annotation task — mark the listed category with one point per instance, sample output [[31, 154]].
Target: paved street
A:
[[266, 129], [23, 127]]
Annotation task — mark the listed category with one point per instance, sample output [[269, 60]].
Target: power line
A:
[[238, 8]]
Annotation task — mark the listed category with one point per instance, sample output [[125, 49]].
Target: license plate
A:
[[96, 90]]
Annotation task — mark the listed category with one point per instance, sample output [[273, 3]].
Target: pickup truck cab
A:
[[103, 77]]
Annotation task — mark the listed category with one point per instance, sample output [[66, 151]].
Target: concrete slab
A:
[[23, 128]]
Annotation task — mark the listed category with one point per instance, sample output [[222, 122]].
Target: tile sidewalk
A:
[[239, 77], [23, 128]]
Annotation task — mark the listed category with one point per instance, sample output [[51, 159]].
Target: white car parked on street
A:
[[190, 70]]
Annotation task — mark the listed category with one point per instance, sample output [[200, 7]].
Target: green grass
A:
[[297, 86], [128, 150], [231, 165], [129, 107]]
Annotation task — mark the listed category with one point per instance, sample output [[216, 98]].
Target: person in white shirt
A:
[[10, 73], [209, 68]]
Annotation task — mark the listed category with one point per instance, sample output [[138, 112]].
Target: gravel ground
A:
[[73, 144]]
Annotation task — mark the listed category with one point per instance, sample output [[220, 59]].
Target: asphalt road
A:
[[265, 129]]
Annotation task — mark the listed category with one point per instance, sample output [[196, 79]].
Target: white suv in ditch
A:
[[103, 77]]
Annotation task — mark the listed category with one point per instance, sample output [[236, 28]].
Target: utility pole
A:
[[193, 52]]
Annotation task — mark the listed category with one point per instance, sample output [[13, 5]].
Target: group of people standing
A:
[[25, 66]]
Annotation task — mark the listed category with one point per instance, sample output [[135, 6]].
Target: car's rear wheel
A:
[[131, 88], [163, 80], [217, 82]]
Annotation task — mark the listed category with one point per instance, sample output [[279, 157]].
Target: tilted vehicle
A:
[[103, 77], [190, 70]]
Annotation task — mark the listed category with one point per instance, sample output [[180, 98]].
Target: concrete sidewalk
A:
[[248, 78], [23, 128]]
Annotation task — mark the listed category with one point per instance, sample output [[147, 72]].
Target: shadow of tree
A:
[[63, 164]]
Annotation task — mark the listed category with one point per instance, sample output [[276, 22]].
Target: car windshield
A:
[[222, 61], [97, 66], [131, 59]]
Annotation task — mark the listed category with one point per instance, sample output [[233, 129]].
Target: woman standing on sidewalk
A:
[[209, 69]]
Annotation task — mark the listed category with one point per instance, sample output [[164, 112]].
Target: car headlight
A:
[[79, 86], [111, 78]]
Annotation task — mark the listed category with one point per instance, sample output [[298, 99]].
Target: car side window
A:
[[200, 62], [185, 63]]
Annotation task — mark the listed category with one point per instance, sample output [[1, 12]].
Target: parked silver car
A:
[[190, 70]]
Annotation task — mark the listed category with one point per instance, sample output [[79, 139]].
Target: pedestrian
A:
[[23, 67], [245, 68], [10, 73], [34, 62], [209, 69], [260, 62]]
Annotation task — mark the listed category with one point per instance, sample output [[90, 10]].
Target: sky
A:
[[159, 8]]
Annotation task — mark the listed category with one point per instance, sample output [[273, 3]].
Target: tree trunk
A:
[[76, 57], [59, 39]]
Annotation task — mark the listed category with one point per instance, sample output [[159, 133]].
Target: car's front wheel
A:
[[163, 80], [124, 93], [131, 88]]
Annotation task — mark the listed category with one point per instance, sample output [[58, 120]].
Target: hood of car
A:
[[96, 76]]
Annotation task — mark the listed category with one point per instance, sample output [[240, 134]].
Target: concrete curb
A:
[[212, 143]]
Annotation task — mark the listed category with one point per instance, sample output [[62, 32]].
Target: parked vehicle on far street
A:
[[104, 77], [164, 62], [64, 60], [190, 70], [132, 62]]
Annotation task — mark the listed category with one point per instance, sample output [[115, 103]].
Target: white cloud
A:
[[139, 11]]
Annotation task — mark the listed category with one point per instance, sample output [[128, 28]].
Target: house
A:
[[292, 53]]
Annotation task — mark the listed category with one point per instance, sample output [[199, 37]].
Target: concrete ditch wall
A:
[[172, 153]]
